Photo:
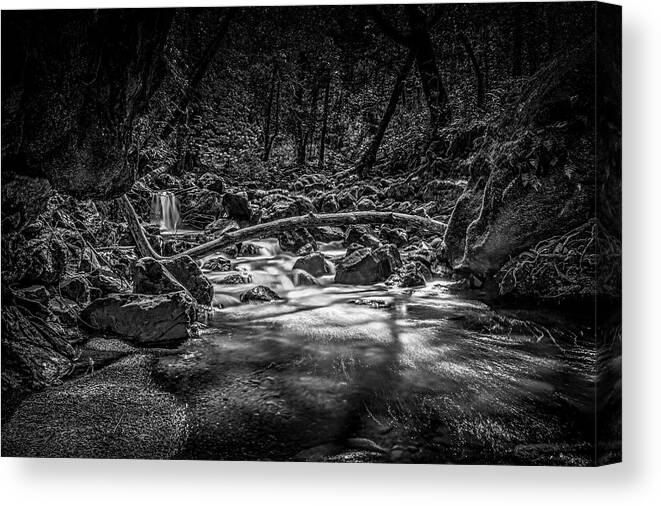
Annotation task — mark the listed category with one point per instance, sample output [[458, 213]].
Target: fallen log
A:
[[264, 230], [271, 228]]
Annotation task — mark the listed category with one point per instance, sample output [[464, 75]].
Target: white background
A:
[[636, 481]]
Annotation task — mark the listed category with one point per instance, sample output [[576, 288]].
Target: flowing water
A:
[[367, 373], [165, 210]]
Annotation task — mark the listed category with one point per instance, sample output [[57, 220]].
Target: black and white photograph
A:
[[313, 233]]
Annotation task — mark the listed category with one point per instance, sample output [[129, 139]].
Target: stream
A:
[[371, 374]]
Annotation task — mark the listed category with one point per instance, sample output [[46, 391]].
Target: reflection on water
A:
[[426, 375]]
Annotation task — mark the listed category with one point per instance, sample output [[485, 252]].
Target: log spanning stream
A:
[[352, 373]]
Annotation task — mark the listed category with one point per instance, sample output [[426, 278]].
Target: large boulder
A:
[[297, 240], [189, 274], [315, 264], [199, 207], [365, 266], [302, 278], [236, 206], [143, 319], [41, 259], [35, 354], [360, 234], [211, 181], [150, 277]]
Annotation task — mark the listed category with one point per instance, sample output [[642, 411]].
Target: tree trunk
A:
[[476, 68], [312, 123], [264, 230], [517, 42], [299, 126], [197, 76], [142, 244], [369, 158], [435, 94], [324, 126]]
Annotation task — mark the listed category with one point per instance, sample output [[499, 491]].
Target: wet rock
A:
[[294, 240], [199, 207], [236, 206], [144, 319], [327, 234], [411, 275], [303, 278], [389, 259], [211, 181], [396, 236], [219, 264], [238, 278], [366, 204], [165, 181], [42, 259], [362, 235], [311, 182], [76, 288], [346, 200], [249, 249], [186, 271], [259, 294], [106, 281], [365, 266], [368, 190], [315, 264], [34, 354], [298, 206], [37, 293], [65, 310], [19, 207], [360, 267], [329, 204], [151, 277]]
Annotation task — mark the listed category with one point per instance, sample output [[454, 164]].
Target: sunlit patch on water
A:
[[426, 368]]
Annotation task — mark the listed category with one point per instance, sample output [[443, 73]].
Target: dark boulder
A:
[[42, 259], [295, 240], [211, 181], [396, 236], [76, 288], [238, 278], [218, 264], [362, 235], [302, 278], [236, 206], [365, 266], [144, 319], [315, 264], [187, 272], [150, 277], [259, 294]]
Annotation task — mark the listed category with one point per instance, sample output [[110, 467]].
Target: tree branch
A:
[[272, 228]]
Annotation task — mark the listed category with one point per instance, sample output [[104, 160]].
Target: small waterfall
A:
[[165, 207]]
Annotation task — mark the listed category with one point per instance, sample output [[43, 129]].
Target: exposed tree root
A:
[[581, 262]]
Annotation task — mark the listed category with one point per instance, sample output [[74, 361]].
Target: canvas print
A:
[[349, 233]]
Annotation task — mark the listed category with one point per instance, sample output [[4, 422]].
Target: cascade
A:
[[165, 208]]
